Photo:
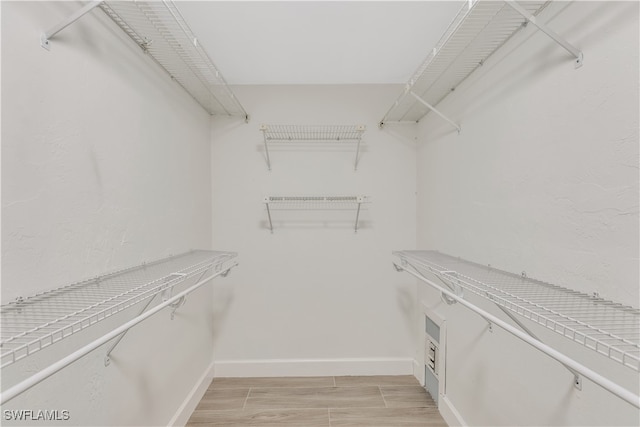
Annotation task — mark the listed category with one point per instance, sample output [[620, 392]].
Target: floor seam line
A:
[[383, 399], [244, 405], [302, 408]]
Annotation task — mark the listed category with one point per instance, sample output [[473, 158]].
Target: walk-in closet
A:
[[320, 213]]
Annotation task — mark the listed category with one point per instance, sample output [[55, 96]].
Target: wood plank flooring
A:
[[317, 401]]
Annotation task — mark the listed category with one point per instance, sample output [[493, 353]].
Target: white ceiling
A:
[[318, 42]]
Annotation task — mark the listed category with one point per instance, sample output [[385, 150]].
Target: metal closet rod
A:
[[598, 379], [35, 379]]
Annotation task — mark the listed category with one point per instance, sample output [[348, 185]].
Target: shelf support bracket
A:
[[360, 129], [432, 108], [456, 288], [577, 380], [264, 129], [266, 203], [360, 200], [548, 31], [46, 36], [107, 358], [166, 295]]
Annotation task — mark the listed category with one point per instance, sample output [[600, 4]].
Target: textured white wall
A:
[[105, 164], [543, 178], [316, 295]]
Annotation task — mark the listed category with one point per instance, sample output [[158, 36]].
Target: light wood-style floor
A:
[[316, 401]]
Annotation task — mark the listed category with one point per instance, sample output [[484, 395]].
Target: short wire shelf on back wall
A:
[[301, 203], [609, 328], [34, 323], [310, 134]]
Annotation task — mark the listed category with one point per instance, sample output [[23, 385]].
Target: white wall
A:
[[105, 164], [314, 298], [543, 178]]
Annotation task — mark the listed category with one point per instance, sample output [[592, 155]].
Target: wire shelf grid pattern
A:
[[317, 133], [475, 33], [34, 323], [609, 328], [334, 203], [161, 31], [314, 202]]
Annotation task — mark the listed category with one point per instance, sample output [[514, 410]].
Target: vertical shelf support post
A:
[[360, 200], [548, 31], [44, 38], [432, 108], [266, 203], [264, 129], [360, 131]]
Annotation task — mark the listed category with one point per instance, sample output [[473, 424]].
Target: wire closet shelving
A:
[[609, 328], [477, 31], [34, 323], [312, 133], [162, 33], [347, 203]]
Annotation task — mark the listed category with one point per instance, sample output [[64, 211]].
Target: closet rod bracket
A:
[[577, 382], [451, 284], [46, 36], [176, 305]]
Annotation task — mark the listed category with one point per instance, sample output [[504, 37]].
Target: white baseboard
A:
[[313, 367], [193, 398], [418, 372], [449, 412]]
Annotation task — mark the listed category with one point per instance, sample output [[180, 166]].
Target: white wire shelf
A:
[[161, 31], [335, 133], [606, 327], [312, 133], [32, 324], [350, 203], [478, 30]]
